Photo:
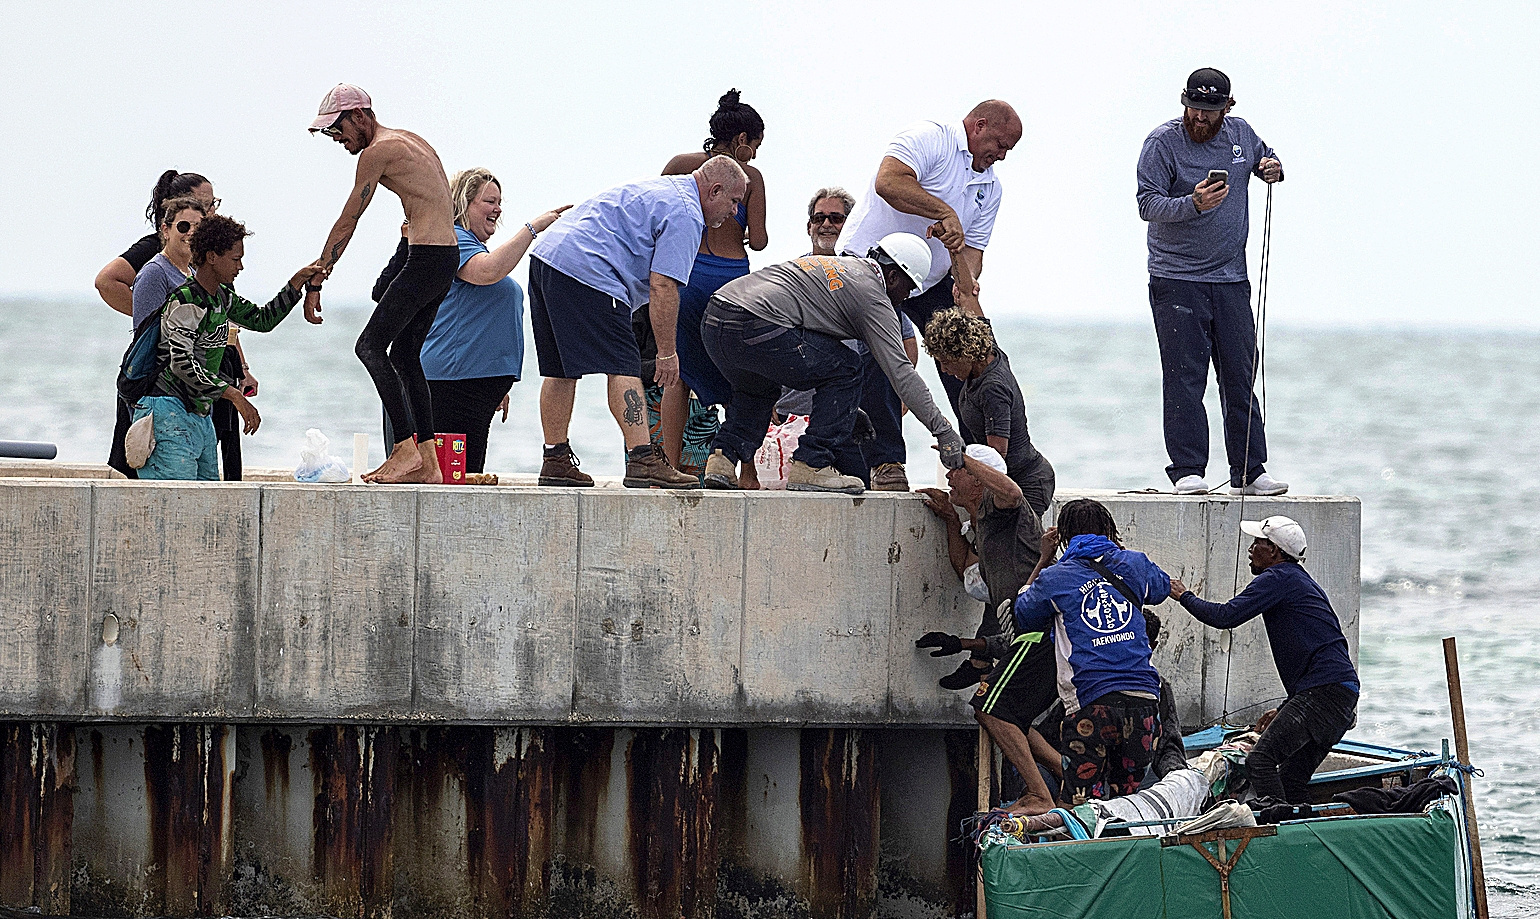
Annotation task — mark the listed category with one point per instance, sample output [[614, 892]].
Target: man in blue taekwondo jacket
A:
[[1198, 288], [1309, 651], [1110, 691]]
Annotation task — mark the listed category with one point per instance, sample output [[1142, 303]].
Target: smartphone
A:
[[1222, 176], [249, 391]]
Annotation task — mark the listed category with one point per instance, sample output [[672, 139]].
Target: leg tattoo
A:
[[634, 406]]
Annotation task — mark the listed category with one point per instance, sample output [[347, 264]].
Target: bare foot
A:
[[1028, 806], [404, 461], [748, 477]]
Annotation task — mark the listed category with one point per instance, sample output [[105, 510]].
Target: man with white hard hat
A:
[[1309, 651], [785, 325]]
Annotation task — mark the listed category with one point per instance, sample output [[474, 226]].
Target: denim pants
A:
[[1197, 324], [886, 410], [760, 357], [1306, 728], [185, 444]]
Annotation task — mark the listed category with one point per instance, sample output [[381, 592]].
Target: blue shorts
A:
[[695, 365], [185, 444], [579, 330]]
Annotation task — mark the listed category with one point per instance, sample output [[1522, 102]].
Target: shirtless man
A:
[[391, 343]]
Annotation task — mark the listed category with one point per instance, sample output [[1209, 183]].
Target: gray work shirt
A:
[[1184, 244], [844, 297]]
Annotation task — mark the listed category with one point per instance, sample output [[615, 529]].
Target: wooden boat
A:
[[1364, 866]]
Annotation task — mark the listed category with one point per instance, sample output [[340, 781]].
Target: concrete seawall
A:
[[365, 701]]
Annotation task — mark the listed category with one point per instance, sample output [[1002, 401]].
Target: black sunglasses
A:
[[835, 219], [333, 130], [1207, 98], [182, 226]]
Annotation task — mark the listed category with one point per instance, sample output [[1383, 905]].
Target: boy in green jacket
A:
[[194, 328]]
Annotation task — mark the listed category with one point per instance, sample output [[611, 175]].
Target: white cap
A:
[[909, 252], [1281, 531], [987, 455]]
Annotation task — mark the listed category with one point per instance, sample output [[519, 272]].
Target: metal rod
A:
[[24, 449], [1462, 752], [986, 767]]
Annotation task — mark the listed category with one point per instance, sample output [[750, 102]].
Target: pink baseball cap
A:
[[342, 98]]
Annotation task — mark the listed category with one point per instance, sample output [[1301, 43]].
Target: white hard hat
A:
[[1281, 531], [909, 252]]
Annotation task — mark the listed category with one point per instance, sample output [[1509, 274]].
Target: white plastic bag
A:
[[774, 455], [316, 464]]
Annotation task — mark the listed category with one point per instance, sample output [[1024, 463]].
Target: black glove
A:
[[863, 430], [951, 447], [944, 644]]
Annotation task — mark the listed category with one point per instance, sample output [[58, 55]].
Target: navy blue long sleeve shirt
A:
[[1309, 649]]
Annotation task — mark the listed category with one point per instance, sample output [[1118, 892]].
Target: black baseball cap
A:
[[1207, 89]]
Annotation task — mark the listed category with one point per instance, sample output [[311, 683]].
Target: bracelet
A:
[[313, 288], [667, 357], [532, 231]]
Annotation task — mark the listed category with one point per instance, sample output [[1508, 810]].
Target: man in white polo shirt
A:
[[938, 182]]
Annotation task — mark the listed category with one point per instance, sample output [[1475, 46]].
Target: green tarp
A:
[[1355, 868]]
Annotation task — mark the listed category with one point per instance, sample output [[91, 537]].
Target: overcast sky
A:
[[1406, 129]]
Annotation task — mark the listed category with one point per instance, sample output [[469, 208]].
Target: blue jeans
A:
[[1195, 324], [801, 359], [185, 444], [886, 410]]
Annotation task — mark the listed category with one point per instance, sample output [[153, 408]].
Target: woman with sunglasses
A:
[[163, 274], [736, 131], [115, 282]]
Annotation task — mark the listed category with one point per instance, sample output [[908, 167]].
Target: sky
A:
[[1404, 129]]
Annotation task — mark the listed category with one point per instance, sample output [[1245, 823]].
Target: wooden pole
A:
[[986, 780], [1462, 754]]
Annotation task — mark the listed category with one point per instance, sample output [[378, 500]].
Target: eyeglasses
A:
[[214, 204], [183, 226], [1206, 98], [835, 219], [333, 130]]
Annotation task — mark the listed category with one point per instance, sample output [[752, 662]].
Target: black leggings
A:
[[390, 346], [466, 407]]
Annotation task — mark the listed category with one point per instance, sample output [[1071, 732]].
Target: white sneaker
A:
[[1191, 485], [1263, 485]]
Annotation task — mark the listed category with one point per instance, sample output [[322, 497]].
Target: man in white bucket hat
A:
[[1309, 651]]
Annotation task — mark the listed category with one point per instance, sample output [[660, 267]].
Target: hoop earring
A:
[[743, 159]]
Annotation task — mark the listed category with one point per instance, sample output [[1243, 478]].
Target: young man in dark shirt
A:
[[1309, 651]]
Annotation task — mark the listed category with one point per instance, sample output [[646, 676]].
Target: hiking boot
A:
[[890, 477], [720, 472], [560, 467], [1191, 485], [1263, 485], [647, 467], [802, 477]]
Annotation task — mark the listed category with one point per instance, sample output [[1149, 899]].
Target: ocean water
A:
[[1435, 431]]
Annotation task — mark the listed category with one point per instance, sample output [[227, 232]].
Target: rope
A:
[[1258, 362]]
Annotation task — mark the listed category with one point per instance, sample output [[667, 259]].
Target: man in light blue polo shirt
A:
[[608, 257]]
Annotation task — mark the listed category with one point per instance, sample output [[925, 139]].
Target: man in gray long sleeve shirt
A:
[[1198, 289], [784, 326]]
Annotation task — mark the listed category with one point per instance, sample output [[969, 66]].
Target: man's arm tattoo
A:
[[633, 407], [363, 199]]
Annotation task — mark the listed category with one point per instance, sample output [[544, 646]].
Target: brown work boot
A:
[[802, 477], [647, 467], [720, 471], [560, 467], [890, 477]]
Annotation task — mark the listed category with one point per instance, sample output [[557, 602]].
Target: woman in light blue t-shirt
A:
[[475, 350]]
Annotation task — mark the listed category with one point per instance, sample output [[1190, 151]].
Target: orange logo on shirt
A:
[[814, 264]]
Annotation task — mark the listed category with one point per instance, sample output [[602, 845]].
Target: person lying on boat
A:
[[1180, 795], [1309, 651]]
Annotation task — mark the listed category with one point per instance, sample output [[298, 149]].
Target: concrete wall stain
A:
[[353, 770], [185, 780], [840, 810], [37, 773], [670, 814]]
